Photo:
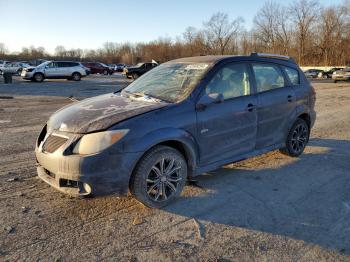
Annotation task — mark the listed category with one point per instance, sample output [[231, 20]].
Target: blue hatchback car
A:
[[181, 119]]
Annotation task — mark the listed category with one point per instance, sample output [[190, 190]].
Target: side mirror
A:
[[207, 99]]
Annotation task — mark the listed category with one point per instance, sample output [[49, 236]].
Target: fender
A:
[[163, 135]]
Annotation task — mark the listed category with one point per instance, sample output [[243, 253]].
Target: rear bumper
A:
[[76, 175]]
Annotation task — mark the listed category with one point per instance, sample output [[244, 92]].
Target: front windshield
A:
[[44, 64], [169, 82]]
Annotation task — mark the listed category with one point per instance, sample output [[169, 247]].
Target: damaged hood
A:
[[98, 113]]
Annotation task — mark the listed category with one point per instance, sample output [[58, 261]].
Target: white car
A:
[[55, 70], [14, 67], [3, 64]]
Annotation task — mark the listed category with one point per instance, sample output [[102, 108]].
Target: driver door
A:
[[227, 128]]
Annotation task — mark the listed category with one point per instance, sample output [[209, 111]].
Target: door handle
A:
[[251, 107], [290, 98]]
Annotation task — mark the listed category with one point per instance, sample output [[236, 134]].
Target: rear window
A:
[[293, 75], [268, 77]]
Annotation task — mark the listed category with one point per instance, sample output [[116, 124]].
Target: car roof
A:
[[202, 59], [214, 59]]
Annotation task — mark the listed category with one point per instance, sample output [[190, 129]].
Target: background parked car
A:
[[341, 75], [136, 71], [3, 63], [55, 70], [14, 67], [312, 73], [120, 67], [329, 73], [98, 68]]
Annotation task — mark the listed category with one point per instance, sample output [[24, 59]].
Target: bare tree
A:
[[220, 33], [304, 14], [3, 49]]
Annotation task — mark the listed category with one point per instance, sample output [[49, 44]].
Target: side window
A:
[[293, 75], [268, 77], [52, 65], [231, 81], [61, 64]]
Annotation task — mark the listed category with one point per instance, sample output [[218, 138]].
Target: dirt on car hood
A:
[[98, 113]]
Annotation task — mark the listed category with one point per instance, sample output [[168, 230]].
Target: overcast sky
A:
[[88, 24]]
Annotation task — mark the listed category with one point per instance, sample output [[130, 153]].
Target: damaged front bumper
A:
[[81, 175]]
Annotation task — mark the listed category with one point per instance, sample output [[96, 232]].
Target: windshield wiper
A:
[[158, 98]]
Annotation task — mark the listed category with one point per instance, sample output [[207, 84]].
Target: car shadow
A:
[[307, 199]]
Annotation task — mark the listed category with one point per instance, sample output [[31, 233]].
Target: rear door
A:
[[51, 70], [63, 69], [276, 104], [229, 128]]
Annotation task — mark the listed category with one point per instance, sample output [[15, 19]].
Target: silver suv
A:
[[55, 70]]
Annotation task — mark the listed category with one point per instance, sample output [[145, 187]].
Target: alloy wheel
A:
[[299, 138], [163, 180]]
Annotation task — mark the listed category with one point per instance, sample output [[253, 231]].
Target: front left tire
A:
[[159, 177]]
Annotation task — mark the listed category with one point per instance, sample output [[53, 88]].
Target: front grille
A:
[[53, 142]]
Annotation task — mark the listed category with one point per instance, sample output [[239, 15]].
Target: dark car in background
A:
[[98, 68], [329, 73], [181, 119], [135, 72], [312, 73]]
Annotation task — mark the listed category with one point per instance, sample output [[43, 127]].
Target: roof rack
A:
[[274, 56]]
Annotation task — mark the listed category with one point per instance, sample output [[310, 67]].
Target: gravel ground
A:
[[269, 208]]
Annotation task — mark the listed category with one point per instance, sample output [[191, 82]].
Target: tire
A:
[[297, 139], [105, 72], [76, 76], [38, 77], [335, 81], [159, 177], [135, 76]]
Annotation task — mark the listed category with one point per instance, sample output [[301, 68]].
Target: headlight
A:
[[96, 142]]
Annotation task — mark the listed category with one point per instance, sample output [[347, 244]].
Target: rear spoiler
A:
[[273, 56]]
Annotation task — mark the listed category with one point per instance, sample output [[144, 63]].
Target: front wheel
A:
[[159, 177], [135, 76], [297, 139], [76, 77], [105, 72], [38, 77]]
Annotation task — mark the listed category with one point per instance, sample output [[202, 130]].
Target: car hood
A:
[[98, 113]]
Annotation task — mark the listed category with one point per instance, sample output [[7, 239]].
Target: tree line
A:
[[307, 31]]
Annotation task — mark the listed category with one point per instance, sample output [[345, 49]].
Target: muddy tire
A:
[[135, 76], [159, 177], [38, 77], [297, 139]]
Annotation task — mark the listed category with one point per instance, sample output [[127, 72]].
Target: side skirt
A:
[[213, 166]]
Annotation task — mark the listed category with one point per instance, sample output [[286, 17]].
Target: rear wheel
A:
[[297, 139], [38, 77], [105, 72], [159, 177]]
